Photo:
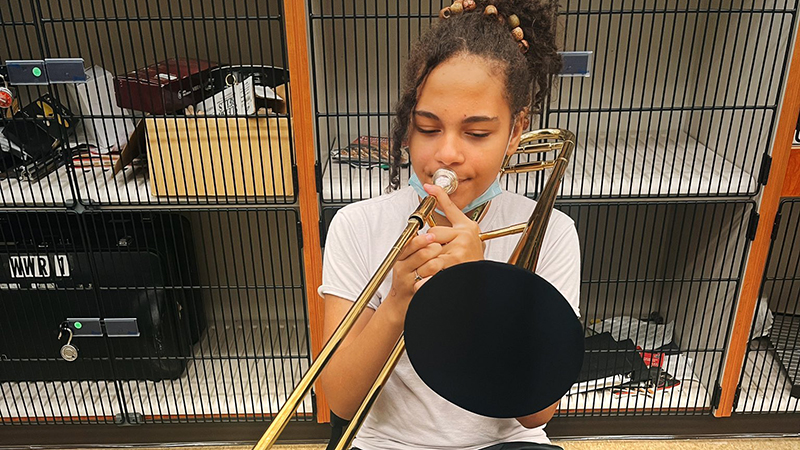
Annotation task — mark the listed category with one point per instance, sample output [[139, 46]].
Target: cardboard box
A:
[[165, 87], [209, 156]]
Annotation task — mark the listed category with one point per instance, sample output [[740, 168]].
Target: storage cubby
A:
[[770, 381], [678, 104], [218, 298], [206, 230], [665, 275], [178, 157]]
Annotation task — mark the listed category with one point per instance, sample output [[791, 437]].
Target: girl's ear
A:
[[521, 124]]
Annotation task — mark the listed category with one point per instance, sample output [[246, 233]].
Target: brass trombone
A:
[[525, 255]]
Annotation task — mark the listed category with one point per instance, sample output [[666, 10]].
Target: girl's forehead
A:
[[464, 86]]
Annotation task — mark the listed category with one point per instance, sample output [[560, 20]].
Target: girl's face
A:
[[462, 122]]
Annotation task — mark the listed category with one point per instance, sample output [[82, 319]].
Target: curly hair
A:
[[528, 76]]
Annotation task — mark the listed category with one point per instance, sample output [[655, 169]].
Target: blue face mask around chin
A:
[[493, 191]]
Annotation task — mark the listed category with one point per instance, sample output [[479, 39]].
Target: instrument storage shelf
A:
[[673, 125], [680, 100], [53, 190], [132, 186], [770, 379], [660, 164], [766, 388], [689, 397], [236, 372]]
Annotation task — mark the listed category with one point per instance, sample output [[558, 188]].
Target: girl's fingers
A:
[[418, 242]]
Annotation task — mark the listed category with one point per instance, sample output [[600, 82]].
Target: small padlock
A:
[[6, 94], [69, 352]]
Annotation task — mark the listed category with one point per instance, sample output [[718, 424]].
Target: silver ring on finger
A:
[[416, 275]]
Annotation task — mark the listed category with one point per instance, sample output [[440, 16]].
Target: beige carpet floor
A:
[[675, 444]]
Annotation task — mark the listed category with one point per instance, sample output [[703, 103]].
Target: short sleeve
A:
[[560, 263], [344, 267]]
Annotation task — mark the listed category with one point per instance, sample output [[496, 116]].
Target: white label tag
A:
[[61, 265], [38, 266]]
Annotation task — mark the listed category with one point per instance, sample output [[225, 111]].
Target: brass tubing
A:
[[530, 167], [524, 255], [278, 424], [539, 148], [506, 231], [358, 419]]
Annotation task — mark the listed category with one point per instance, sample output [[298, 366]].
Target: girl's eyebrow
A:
[[427, 114], [471, 119]]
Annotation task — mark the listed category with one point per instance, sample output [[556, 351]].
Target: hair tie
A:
[[461, 6]]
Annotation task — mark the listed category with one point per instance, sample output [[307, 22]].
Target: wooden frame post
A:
[[296, 21], [757, 258], [791, 185]]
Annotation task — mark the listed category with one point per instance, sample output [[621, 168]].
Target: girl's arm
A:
[[540, 418], [354, 367], [356, 364]]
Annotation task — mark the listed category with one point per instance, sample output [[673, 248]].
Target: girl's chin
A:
[[459, 202]]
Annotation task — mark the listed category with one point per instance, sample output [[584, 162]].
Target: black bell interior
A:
[[494, 339]]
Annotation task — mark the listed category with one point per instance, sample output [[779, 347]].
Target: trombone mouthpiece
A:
[[446, 179]]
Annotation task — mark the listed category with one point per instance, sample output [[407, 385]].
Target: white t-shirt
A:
[[408, 414]]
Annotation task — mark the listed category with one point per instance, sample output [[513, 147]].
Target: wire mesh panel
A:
[[223, 317], [658, 286], [182, 104], [680, 101], [770, 379], [196, 314], [46, 278], [26, 160], [358, 52], [682, 96]]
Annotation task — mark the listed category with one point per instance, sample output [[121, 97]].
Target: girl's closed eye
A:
[[479, 134], [427, 130]]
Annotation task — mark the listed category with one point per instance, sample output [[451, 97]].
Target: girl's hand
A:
[[461, 241], [415, 265]]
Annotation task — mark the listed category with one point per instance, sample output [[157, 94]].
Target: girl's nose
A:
[[449, 152]]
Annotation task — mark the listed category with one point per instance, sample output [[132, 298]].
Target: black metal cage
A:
[[177, 315], [166, 241], [770, 381], [127, 143], [680, 102], [163, 241]]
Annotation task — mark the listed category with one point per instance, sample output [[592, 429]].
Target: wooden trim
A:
[[303, 125], [791, 185], [150, 418], [757, 258], [154, 435], [690, 426]]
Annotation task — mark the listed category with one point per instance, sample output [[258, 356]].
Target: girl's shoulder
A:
[[394, 201], [379, 212]]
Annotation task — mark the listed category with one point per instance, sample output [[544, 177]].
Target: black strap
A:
[[338, 425], [522, 446], [513, 446]]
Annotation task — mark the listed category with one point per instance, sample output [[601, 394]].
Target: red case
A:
[[165, 87]]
